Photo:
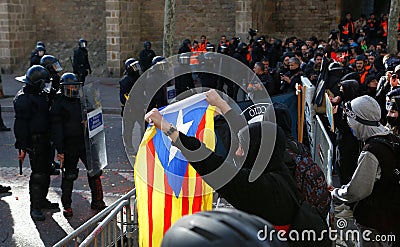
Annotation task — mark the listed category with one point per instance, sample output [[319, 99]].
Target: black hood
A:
[[256, 141], [351, 90], [282, 117]]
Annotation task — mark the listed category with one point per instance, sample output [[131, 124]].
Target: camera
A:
[[334, 34], [252, 32]]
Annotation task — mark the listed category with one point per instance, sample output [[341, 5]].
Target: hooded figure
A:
[[374, 185], [363, 117], [347, 146], [266, 197], [260, 151], [284, 121]]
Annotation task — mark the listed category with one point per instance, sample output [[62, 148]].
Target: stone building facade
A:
[[116, 29]]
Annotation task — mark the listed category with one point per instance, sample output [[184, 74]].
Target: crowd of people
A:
[[361, 80], [352, 66]]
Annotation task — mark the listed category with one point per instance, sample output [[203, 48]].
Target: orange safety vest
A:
[[384, 26], [202, 47], [363, 76], [346, 28]]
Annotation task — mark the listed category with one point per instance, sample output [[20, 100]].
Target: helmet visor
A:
[[57, 67], [135, 66], [72, 90]]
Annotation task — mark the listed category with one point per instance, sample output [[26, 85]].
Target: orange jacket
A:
[[202, 46], [384, 26]]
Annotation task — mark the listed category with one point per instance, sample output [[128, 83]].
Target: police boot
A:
[[45, 203], [36, 196], [67, 184], [97, 193]]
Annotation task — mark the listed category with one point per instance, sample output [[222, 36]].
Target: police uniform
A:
[[31, 128], [80, 64], [68, 135]]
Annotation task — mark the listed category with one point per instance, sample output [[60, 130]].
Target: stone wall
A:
[[16, 32], [116, 29], [301, 18]]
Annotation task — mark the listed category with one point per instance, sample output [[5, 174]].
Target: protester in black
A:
[[252, 197]]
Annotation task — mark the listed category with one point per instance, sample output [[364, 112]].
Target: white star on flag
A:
[[182, 127]]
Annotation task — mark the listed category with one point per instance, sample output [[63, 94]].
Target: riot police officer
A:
[[146, 56], [52, 65], [80, 63], [31, 133], [37, 54], [185, 81], [131, 74], [68, 135], [158, 71]]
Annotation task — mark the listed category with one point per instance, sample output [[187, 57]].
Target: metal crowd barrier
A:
[[116, 225], [323, 150]]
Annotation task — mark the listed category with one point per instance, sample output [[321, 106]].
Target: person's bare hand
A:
[[60, 157], [258, 87], [21, 155], [331, 188], [154, 117], [213, 98]]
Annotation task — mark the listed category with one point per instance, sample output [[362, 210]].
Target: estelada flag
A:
[[167, 187]]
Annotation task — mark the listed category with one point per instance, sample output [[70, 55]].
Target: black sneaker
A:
[[37, 214], [49, 205]]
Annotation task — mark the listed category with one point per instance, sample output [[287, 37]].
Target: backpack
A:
[[311, 182]]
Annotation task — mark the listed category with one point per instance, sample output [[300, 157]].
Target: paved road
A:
[[17, 228]]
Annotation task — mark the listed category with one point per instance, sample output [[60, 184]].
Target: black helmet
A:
[[132, 65], [40, 43], [42, 49], [242, 47], [222, 227], [334, 66], [224, 48], [70, 86], [184, 58], [82, 43], [37, 76], [51, 63], [157, 59], [147, 45], [210, 47]]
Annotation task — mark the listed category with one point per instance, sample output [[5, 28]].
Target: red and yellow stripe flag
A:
[[167, 187]]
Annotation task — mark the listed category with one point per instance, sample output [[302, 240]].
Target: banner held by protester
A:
[[167, 187]]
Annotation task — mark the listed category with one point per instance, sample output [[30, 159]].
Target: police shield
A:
[[95, 142]]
